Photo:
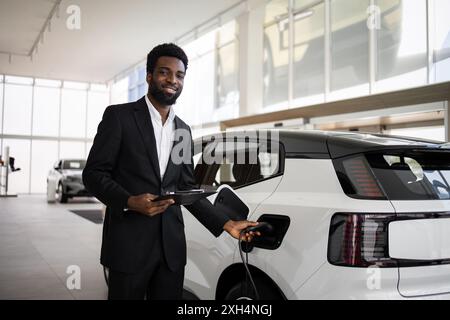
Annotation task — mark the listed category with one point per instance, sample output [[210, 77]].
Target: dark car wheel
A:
[[244, 291], [62, 197]]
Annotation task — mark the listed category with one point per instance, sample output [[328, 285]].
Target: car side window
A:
[[236, 164]]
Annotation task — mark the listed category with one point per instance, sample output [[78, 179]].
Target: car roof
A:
[[332, 144]]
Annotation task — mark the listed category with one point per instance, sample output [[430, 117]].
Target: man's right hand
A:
[[144, 204]]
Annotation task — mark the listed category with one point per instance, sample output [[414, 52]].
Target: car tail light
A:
[[360, 240], [357, 178]]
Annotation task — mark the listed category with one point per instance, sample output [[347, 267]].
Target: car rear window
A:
[[396, 175], [74, 164], [412, 175]]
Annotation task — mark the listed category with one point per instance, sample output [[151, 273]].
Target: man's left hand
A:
[[234, 228]]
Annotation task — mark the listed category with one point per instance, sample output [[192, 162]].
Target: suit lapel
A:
[[170, 165], [144, 123]]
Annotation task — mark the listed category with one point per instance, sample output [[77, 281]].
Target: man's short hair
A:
[[165, 50]]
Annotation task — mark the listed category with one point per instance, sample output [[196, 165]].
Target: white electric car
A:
[[64, 180], [355, 216]]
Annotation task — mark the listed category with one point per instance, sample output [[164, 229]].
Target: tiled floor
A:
[[40, 241]]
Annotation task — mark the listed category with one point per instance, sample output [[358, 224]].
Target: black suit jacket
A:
[[123, 161]]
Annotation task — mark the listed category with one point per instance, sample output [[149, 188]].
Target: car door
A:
[[253, 168]]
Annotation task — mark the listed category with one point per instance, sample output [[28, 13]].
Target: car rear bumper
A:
[[344, 283]]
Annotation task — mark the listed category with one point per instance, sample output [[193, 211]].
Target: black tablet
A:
[[185, 197]]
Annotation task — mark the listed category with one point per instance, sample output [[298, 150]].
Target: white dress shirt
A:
[[164, 135]]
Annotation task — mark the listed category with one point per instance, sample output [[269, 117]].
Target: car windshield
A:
[[413, 175], [74, 164]]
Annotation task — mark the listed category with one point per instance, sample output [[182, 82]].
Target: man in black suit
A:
[[130, 162]]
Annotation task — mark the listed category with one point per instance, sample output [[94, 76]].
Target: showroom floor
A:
[[41, 247]]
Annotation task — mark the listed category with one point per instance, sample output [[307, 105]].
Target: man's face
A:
[[166, 82]]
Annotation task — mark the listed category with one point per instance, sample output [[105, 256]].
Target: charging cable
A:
[[264, 228], [245, 262]]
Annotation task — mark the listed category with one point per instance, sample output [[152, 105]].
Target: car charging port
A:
[[272, 228]]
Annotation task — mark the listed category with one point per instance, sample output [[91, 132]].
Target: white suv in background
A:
[[64, 181], [355, 216]]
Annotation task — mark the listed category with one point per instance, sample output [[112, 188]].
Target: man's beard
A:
[[161, 97]]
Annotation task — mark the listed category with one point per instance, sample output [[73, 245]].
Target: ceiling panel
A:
[[20, 23], [114, 35]]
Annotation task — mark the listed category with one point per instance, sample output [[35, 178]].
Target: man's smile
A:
[[170, 90]]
